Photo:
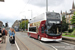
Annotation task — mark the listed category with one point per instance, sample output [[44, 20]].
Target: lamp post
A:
[[22, 18], [21, 24], [25, 23], [31, 13]]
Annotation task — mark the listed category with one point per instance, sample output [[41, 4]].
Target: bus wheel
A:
[[38, 37]]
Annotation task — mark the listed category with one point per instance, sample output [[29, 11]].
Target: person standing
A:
[[12, 35], [4, 34]]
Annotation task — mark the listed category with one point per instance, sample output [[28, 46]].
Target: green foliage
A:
[[73, 32], [73, 19], [23, 23], [64, 24], [70, 30], [68, 35]]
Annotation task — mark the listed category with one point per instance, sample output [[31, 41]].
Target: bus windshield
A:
[[53, 24], [54, 30]]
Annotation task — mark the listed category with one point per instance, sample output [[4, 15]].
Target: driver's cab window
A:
[[42, 29]]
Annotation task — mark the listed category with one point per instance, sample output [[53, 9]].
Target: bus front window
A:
[[54, 30]]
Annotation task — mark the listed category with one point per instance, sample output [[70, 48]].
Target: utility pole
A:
[[46, 12], [46, 5]]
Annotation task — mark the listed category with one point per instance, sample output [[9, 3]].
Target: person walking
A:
[[4, 34], [12, 35], [0, 35]]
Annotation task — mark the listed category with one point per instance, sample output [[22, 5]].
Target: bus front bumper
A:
[[47, 39]]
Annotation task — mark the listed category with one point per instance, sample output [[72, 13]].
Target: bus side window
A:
[[42, 29]]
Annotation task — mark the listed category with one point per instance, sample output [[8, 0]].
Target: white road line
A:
[[67, 43], [50, 45], [17, 45], [53, 47], [41, 42]]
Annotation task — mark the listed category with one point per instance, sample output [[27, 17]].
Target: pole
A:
[[46, 12], [46, 5], [25, 23], [31, 14], [21, 25]]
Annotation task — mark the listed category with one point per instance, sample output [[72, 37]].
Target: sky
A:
[[12, 10]]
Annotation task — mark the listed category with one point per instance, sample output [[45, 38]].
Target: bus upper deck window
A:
[[42, 29]]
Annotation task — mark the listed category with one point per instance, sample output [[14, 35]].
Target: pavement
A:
[[7, 45], [69, 37], [3, 46]]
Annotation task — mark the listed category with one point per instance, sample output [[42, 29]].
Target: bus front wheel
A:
[[38, 37]]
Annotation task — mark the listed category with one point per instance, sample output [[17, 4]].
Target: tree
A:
[[73, 19], [64, 24], [22, 24]]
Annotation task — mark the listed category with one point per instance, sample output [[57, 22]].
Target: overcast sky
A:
[[12, 10]]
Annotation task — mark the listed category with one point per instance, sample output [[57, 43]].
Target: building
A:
[[16, 25], [69, 16]]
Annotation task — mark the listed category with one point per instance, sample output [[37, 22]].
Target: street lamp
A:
[[25, 23], [31, 13], [21, 24]]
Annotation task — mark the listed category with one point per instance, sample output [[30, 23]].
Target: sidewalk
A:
[[3, 46], [68, 37]]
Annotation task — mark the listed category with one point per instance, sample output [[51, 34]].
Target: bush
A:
[[73, 32], [70, 30]]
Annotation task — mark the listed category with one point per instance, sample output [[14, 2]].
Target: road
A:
[[23, 42], [52, 45]]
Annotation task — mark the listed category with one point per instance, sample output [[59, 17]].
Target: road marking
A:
[[67, 43], [41, 42], [17, 45], [50, 45], [53, 47]]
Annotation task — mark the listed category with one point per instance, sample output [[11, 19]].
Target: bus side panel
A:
[[34, 35]]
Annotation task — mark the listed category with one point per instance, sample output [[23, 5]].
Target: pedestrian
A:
[[12, 35], [4, 34], [0, 35]]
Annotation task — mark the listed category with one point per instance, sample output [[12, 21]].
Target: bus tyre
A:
[[38, 37]]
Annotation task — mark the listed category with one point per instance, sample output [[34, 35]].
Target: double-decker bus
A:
[[46, 27]]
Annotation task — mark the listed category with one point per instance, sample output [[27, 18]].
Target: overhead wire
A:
[[24, 6]]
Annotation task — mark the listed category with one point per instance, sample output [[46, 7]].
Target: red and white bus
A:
[[46, 27]]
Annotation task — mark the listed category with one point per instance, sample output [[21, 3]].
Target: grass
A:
[[68, 35]]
